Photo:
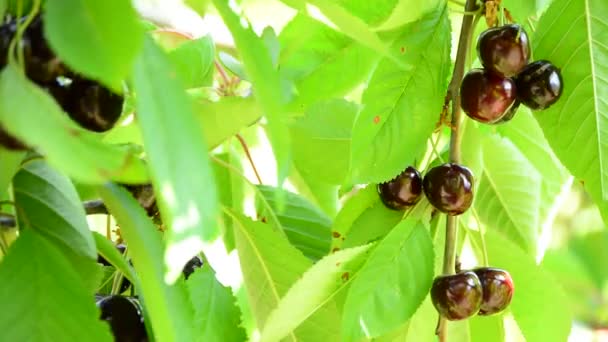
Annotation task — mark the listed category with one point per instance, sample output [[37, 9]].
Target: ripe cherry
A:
[[539, 85], [88, 103], [457, 296], [486, 96], [498, 288], [402, 191], [510, 113], [504, 50], [449, 188], [125, 318]]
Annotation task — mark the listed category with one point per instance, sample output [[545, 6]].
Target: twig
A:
[[464, 44], [246, 149]]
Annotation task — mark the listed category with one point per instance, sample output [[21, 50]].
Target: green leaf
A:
[[398, 98], [521, 10], [375, 222], [48, 202], [39, 289], [305, 225], [373, 13], [321, 62], [525, 133], [97, 38], [231, 192], [270, 266], [324, 195], [487, 328], [381, 298], [508, 196], [216, 317], [168, 306], [266, 85], [109, 252], [193, 61], [354, 207], [176, 149], [314, 290], [537, 297], [223, 119], [10, 161], [56, 136], [322, 140], [571, 34], [592, 250]]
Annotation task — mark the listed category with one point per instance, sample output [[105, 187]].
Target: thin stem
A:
[[222, 72], [246, 149], [108, 228], [464, 44], [20, 30]]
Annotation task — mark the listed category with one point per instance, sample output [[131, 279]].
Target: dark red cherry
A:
[[498, 288], [125, 318], [402, 191], [457, 296], [449, 188], [10, 142], [510, 113], [88, 103], [504, 50], [539, 85], [485, 96]]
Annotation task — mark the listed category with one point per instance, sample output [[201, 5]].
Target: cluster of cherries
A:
[[91, 105], [124, 313], [493, 94]]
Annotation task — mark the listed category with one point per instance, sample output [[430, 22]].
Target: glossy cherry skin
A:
[[88, 103], [510, 113], [498, 289], [125, 318], [539, 85], [449, 188], [192, 265], [402, 191], [485, 96], [457, 296], [504, 50], [10, 142]]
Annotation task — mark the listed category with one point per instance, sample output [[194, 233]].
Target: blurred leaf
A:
[[325, 196], [382, 298], [313, 291], [373, 13], [270, 267], [223, 119], [232, 64], [10, 161], [523, 130], [177, 152], [39, 289], [266, 85], [216, 316], [321, 62], [231, 192], [402, 98], [193, 61], [537, 297], [59, 138], [168, 306], [109, 252], [306, 227], [48, 203], [271, 41], [592, 250], [508, 196], [571, 35], [423, 323], [97, 38], [487, 328], [521, 10], [322, 140]]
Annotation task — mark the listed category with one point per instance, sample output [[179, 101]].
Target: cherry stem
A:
[[20, 30], [464, 44], [246, 149], [222, 72]]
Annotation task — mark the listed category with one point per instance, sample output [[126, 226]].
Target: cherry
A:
[[88, 103], [510, 113], [192, 265], [539, 85], [498, 288], [504, 50], [457, 296], [144, 194], [125, 318], [486, 96], [402, 191], [449, 188], [10, 142]]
